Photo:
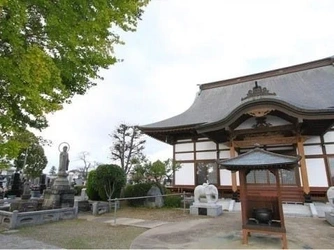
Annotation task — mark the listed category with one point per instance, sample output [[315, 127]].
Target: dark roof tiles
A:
[[259, 159], [305, 91]]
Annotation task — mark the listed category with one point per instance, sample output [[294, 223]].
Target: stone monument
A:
[[208, 206], [26, 191], [330, 215], [60, 194], [157, 200]]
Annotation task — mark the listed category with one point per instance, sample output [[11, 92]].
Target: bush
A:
[[78, 189], [110, 177], [172, 201], [91, 191], [140, 189]]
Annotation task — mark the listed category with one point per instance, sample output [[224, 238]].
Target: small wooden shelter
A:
[[262, 210]]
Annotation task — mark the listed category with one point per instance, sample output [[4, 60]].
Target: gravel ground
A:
[[93, 234], [302, 232]]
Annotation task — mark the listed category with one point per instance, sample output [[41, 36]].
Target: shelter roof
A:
[[259, 159], [304, 90]]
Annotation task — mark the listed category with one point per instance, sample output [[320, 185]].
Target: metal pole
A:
[[115, 211], [184, 201]]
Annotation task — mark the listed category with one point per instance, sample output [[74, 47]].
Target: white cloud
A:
[[178, 45]]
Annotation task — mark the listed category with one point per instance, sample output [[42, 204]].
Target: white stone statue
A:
[[330, 197], [210, 192]]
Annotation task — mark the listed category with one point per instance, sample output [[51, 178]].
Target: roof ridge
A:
[[270, 73]]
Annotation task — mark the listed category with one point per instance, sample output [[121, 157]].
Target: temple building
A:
[[289, 111]]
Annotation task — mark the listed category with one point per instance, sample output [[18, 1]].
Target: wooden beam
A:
[[233, 174], [303, 170], [270, 140]]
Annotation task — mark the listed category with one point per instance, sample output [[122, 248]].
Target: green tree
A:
[[110, 179], [156, 171], [138, 174], [127, 147], [50, 51], [92, 191], [32, 161], [53, 170]]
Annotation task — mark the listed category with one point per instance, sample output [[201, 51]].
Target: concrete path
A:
[[224, 232]]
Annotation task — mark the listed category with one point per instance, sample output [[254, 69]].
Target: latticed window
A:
[[266, 177], [206, 172]]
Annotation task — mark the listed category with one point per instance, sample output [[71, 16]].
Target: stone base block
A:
[[58, 198], [330, 217], [208, 209]]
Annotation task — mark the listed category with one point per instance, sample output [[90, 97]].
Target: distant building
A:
[[288, 111]]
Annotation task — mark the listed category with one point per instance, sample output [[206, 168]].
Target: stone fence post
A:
[[13, 221], [76, 206], [95, 208]]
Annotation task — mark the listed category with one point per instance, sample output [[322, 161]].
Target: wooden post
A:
[[233, 174], [303, 170]]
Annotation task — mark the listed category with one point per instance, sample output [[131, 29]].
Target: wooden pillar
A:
[[303, 170], [233, 174]]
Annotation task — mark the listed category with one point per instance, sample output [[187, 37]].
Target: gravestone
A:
[[157, 200], [26, 191]]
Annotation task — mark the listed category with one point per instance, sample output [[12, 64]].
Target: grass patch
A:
[[79, 233]]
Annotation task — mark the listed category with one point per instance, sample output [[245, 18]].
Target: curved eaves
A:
[[274, 104]]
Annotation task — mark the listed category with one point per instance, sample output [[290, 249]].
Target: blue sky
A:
[[178, 45]]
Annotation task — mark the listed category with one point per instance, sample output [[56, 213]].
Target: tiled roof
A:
[[304, 90], [259, 159]]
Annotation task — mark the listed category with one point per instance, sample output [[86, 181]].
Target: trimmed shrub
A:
[[172, 201], [110, 177], [91, 191]]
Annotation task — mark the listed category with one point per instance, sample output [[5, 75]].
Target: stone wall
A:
[[18, 219]]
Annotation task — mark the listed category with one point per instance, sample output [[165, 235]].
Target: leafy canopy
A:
[[110, 179], [156, 171], [32, 161], [50, 51]]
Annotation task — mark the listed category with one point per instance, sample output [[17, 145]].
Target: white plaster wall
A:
[[206, 155], [312, 139], [273, 120], [316, 172], [330, 149], [184, 156], [184, 147], [224, 154], [207, 145], [223, 146], [225, 177], [313, 150], [329, 136], [185, 175]]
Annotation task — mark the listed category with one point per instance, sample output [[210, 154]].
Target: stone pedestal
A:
[[209, 209], [60, 195], [330, 217]]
